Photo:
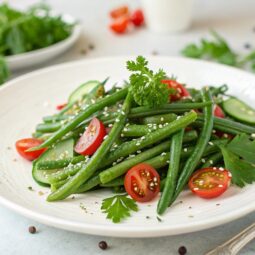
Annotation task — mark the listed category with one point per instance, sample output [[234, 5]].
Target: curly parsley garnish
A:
[[146, 86], [118, 207]]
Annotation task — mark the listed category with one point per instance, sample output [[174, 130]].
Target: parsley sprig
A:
[[146, 86], [218, 50], [118, 207], [239, 159]]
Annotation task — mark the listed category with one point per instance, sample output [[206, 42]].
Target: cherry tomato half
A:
[[218, 112], [142, 182], [180, 90], [137, 18], [120, 25], [91, 138], [119, 12], [210, 182], [24, 144], [61, 106]]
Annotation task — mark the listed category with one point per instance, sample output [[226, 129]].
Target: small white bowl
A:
[[167, 16], [36, 57]]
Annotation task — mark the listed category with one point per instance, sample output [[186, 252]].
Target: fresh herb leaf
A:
[[217, 49], [21, 31], [4, 71], [243, 146], [118, 207], [242, 171], [146, 86]]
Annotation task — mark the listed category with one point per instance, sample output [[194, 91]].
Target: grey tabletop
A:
[[234, 19]]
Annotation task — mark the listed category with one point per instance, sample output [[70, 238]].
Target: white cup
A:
[[167, 16]]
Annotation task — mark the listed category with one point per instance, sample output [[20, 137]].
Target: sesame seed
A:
[[160, 125], [137, 144], [125, 129], [203, 160], [211, 162], [185, 149], [211, 143], [163, 154], [221, 168], [117, 120], [196, 189], [110, 125], [106, 136], [143, 137], [253, 135], [162, 119], [139, 151], [220, 186]]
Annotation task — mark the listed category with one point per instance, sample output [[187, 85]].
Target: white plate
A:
[[36, 57], [22, 105]]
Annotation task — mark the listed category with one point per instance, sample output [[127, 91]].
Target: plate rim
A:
[[122, 230]]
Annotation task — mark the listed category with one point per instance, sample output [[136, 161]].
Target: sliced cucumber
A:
[[239, 110], [96, 88], [62, 150]]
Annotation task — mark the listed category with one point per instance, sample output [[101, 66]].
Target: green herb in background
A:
[[218, 50], [146, 86], [4, 71], [29, 30]]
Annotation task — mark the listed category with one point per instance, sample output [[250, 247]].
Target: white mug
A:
[[166, 16]]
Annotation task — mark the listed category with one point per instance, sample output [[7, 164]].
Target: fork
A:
[[235, 244]]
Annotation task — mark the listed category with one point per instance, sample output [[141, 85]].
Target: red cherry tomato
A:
[[61, 106], [218, 112], [137, 18], [119, 12], [91, 138], [180, 90], [210, 182], [24, 144], [120, 25], [142, 182]]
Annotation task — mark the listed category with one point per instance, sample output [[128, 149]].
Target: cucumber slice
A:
[[62, 150], [96, 88], [239, 110]]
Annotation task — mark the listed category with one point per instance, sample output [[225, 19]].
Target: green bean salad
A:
[[148, 139]]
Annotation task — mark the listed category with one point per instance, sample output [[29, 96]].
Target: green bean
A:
[[84, 114], [230, 126], [119, 169], [57, 164], [203, 140], [172, 173], [130, 147], [72, 170], [91, 167], [143, 111], [57, 118], [157, 162], [89, 184], [159, 119], [114, 183], [48, 127], [135, 130], [213, 160], [56, 185]]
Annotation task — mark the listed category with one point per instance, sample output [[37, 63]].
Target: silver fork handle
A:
[[235, 244]]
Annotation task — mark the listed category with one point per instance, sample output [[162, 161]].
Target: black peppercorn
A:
[[182, 250], [103, 245], [32, 230]]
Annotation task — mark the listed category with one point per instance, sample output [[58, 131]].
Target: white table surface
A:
[[235, 20]]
